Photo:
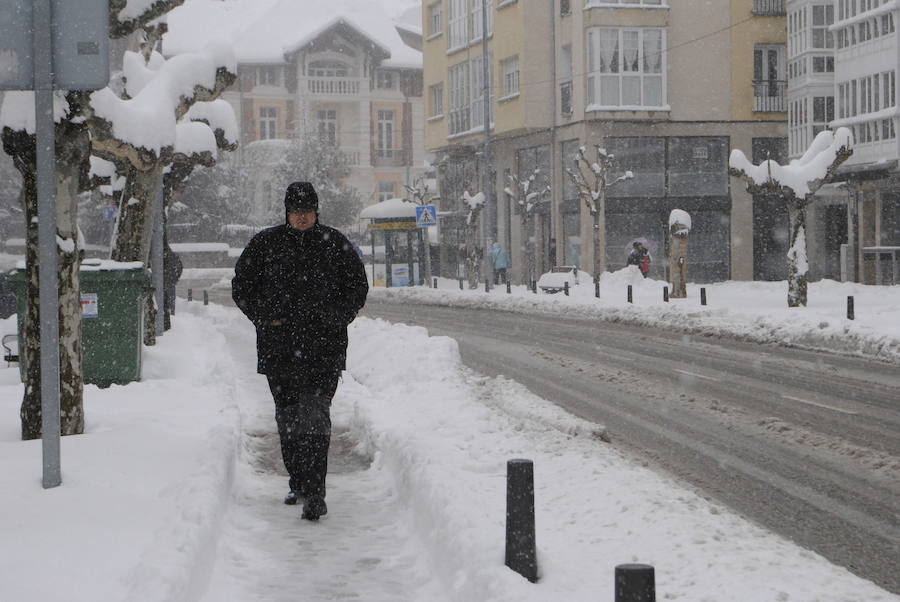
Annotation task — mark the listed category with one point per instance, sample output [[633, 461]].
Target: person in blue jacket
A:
[[500, 261]]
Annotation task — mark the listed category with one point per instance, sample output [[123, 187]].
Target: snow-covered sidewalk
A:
[[173, 492]]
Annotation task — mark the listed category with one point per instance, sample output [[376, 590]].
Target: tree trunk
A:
[[527, 234], [473, 265], [30, 345], [678, 266], [598, 229], [72, 149], [799, 265], [135, 225]]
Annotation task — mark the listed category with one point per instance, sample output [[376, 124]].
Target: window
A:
[[769, 78], [268, 119], [385, 80], [435, 19], [327, 126], [565, 74], [823, 110], [822, 17], [625, 67], [386, 190], [328, 69], [476, 19], [823, 64], [437, 100], [458, 15], [458, 82], [565, 8], [477, 72], [268, 76], [385, 142], [510, 69]]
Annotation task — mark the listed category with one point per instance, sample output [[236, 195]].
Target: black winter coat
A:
[[311, 281]]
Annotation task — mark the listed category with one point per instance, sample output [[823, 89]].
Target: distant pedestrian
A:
[[500, 262], [301, 284], [640, 257]]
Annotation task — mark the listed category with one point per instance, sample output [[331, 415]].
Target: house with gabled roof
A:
[[342, 71]]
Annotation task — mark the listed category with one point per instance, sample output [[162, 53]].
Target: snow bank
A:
[[752, 311]]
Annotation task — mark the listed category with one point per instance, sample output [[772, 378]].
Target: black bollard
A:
[[487, 285], [460, 284], [205, 298], [851, 314], [702, 296], [597, 287], [665, 294], [508, 287], [566, 288], [520, 540], [630, 295], [534, 286], [190, 294], [635, 583], [434, 283]]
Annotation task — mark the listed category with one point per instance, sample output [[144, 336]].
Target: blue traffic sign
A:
[[426, 215]]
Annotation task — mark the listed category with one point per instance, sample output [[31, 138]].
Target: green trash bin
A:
[[112, 304]]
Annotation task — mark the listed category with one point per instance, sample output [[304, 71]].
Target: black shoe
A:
[[314, 507], [292, 498]]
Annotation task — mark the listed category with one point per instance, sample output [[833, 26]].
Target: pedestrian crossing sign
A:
[[426, 215]]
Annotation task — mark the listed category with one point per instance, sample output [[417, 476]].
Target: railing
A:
[[769, 8], [389, 157], [334, 86], [770, 96]]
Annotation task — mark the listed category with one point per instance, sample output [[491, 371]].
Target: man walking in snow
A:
[[301, 284]]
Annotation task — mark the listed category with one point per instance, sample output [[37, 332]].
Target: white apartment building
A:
[[843, 57]]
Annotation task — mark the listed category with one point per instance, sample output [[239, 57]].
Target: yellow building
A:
[[670, 90]]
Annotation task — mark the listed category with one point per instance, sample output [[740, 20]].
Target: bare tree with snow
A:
[[526, 194], [797, 184], [473, 205], [593, 178], [139, 129]]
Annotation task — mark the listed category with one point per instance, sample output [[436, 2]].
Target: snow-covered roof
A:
[[266, 31], [391, 208]]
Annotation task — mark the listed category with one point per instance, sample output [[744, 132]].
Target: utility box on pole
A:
[[80, 30]]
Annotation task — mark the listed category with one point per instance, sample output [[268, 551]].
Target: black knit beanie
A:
[[301, 196]]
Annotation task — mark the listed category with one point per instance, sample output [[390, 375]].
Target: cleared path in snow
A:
[[361, 550], [805, 443]]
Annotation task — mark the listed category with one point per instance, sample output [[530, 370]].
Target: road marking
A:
[[820, 405], [695, 374]]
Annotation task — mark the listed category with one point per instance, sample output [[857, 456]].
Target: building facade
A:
[[341, 83], [843, 61], [668, 89]]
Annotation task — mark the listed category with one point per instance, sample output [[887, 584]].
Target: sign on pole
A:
[[80, 47], [426, 215]]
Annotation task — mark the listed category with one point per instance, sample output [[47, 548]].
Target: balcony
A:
[[335, 86], [769, 8], [770, 96], [390, 157]]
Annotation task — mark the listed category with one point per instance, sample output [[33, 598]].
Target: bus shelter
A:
[[394, 222]]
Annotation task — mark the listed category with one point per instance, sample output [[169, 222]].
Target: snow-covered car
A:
[[555, 280]]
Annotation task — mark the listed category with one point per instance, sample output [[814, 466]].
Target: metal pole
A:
[[48, 260], [157, 260], [490, 207]]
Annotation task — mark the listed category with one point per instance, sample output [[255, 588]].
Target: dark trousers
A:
[[303, 415]]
